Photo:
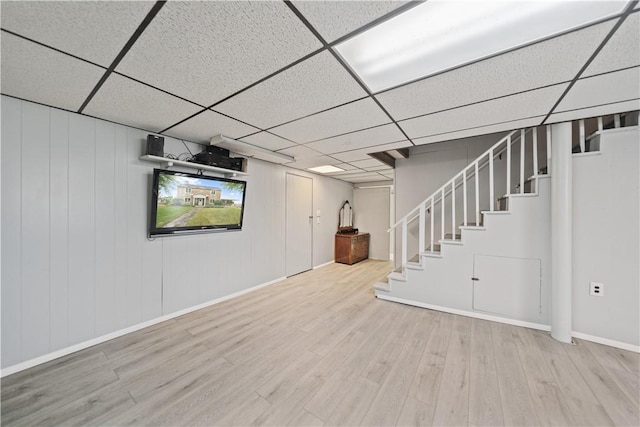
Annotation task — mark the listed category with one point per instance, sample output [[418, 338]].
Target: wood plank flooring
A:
[[320, 349]]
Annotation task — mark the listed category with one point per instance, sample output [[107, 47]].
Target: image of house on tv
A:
[[199, 195]]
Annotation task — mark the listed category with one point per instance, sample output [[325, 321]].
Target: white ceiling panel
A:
[[125, 101], [603, 89], [268, 141], [311, 86], [93, 30], [601, 110], [300, 152], [347, 118], [484, 130], [365, 138], [334, 19], [202, 127], [553, 61], [345, 167], [205, 51], [621, 51], [362, 154], [35, 73], [514, 107], [311, 162], [362, 164], [380, 169]]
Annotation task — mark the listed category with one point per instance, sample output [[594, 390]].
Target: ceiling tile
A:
[[128, 102], [483, 130], [514, 107], [347, 118], [311, 162], [621, 51], [603, 89], [268, 141], [380, 169], [205, 51], [553, 61], [202, 127], [93, 30], [334, 19], [300, 152], [601, 110], [367, 163], [362, 154], [314, 85], [36, 73], [361, 139]]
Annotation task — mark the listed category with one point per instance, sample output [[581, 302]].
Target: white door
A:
[[299, 227], [507, 286], [371, 208]]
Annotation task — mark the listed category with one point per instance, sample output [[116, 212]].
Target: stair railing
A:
[[460, 180]]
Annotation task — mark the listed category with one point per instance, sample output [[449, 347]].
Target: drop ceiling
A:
[[270, 74]]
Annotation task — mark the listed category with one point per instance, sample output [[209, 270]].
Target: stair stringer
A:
[[445, 283]]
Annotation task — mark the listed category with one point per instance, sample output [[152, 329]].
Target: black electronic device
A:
[[155, 145], [213, 149]]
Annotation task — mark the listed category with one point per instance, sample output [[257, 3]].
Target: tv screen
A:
[[189, 203]]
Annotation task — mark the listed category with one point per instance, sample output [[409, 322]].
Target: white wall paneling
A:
[[76, 261]]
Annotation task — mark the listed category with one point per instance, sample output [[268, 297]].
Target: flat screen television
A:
[[190, 203]]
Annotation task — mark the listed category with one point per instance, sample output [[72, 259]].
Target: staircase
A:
[[481, 243]]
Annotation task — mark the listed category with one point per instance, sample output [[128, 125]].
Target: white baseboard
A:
[[323, 265], [606, 341], [473, 314], [98, 340]]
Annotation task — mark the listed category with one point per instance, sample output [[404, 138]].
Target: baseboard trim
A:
[[323, 265], [606, 341], [98, 340], [472, 314]]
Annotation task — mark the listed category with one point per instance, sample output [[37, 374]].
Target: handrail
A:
[[459, 174]]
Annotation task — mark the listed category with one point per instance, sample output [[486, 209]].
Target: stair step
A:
[[496, 213], [414, 266], [432, 254], [449, 236], [451, 242], [436, 248], [415, 259], [382, 286], [472, 228], [396, 276]]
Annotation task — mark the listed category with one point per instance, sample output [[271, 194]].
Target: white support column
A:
[[561, 212]]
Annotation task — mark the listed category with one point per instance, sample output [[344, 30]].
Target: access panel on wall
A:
[[299, 226]]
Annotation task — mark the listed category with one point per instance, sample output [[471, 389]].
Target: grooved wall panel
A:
[[11, 242], [81, 227], [35, 230], [76, 260], [59, 233], [105, 226]]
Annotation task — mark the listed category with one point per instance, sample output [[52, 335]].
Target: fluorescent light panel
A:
[[441, 34], [326, 169]]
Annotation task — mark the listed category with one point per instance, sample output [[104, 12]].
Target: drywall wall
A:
[[371, 208], [606, 238], [76, 261]]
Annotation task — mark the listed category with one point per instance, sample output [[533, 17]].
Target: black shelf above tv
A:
[[167, 163]]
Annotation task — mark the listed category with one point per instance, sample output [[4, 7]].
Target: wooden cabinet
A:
[[351, 248]]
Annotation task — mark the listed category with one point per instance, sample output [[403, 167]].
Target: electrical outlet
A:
[[596, 289]]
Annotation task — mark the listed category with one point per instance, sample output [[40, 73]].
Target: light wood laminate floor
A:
[[320, 349]]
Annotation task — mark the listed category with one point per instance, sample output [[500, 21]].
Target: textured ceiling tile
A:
[[93, 30], [351, 117], [621, 51], [311, 162], [311, 86], [363, 154], [601, 110], [553, 61], [300, 152], [202, 127], [268, 141], [367, 163], [514, 107], [345, 167], [35, 73], [603, 89], [205, 51], [334, 19], [381, 168], [484, 130], [125, 101], [365, 138]]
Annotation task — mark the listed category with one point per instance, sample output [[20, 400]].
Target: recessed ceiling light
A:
[[326, 169], [441, 34]]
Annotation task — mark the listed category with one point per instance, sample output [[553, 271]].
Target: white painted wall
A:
[[76, 261], [606, 238], [371, 208]]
